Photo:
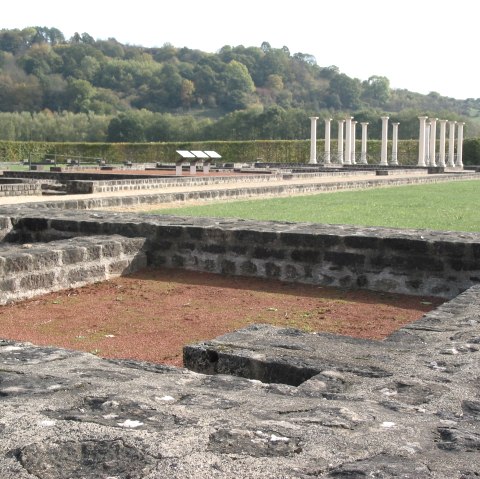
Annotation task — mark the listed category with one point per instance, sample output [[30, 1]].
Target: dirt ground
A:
[[150, 315]]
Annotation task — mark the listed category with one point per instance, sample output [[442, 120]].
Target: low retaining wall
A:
[[419, 262], [19, 189], [39, 268], [246, 191]]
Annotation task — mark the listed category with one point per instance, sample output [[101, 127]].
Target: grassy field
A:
[[445, 206]]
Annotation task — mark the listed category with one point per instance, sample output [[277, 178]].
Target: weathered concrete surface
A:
[[404, 408]]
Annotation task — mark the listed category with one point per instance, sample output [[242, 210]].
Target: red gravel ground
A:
[[150, 315]]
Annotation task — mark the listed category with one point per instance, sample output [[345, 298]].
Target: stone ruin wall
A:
[[418, 262]]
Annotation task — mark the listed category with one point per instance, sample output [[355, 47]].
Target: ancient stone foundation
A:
[[417, 262], [262, 402]]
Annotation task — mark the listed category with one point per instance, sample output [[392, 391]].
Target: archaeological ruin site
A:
[[260, 402]]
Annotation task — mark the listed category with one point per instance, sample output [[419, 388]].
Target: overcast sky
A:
[[419, 45]]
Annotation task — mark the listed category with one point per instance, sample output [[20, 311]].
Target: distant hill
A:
[[41, 71]]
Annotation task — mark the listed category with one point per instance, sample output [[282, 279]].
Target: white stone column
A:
[[395, 144], [313, 140], [354, 138], [459, 162], [363, 153], [421, 140], [451, 143], [348, 141], [383, 154], [443, 130], [340, 141], [427, 144], [328, 122], [433, 142]]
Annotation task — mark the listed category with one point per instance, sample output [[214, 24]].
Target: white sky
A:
[[420, 45]]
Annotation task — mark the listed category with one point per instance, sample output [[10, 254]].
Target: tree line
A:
[[82, 89], [139, 126]]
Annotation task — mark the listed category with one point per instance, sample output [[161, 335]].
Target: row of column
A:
[[427, 143], [426, 150], [347, 156]]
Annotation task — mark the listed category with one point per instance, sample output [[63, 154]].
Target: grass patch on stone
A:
[[444, 206]]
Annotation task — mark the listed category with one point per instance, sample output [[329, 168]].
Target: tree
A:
[[186, 92], [348, 90], [377, 90], [79, 94], [238, 86], [127, 127]]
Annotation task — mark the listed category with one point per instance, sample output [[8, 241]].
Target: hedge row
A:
[[274, 151]]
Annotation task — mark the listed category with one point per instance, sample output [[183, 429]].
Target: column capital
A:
[[422, 117], [364, 123], [384, 117], [396, 123], [314, 118]]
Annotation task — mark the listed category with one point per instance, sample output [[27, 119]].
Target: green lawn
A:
[[444, 206]]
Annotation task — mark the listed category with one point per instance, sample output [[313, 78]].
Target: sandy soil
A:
[[150, 315]]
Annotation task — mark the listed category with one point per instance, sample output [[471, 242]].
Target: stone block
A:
[[195, 233], [213, 248], [454, 249], [86, 274], [239, 250], [178, 260], [46, 259], [248, 268], [362, 242], [406, 244], [73, 254], [209, 265], [35, 281], [351, 260], [170, 232], [228, 267], [132, 245], [18, 263], [272, 270], [93, 252], [112, 249], [291, 273], [8, 285], [126, 265], [255, 237], [305, 255], [33, 224], [261, 252], [64, 225]]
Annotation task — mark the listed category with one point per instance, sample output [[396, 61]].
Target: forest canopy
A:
[[86, 89]]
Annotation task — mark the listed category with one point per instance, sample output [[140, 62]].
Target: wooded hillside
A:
[[132, 93]]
